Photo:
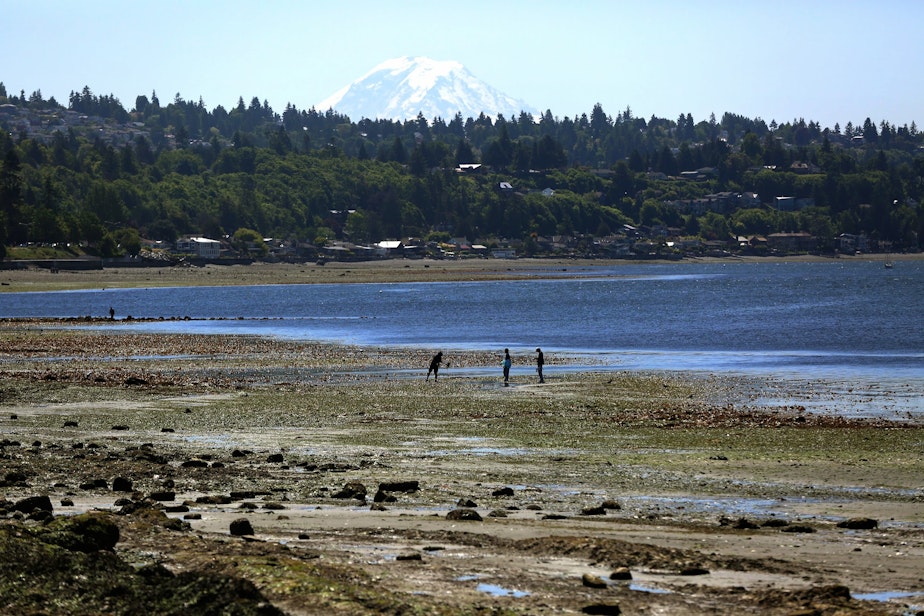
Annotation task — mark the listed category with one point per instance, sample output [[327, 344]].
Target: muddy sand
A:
[[251, 476]]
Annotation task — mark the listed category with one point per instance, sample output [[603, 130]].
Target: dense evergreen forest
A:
[[99, 178]]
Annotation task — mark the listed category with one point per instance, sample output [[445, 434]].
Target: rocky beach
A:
[[244, 475]]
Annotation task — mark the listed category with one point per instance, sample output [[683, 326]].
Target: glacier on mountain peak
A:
[[403, 88]]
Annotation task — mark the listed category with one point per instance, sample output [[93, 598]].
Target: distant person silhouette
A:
[[111, 313], [435, 366], [540, 362], [506, 365]]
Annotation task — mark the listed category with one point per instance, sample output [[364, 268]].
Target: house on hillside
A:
[[504, 253], [200, 246], [848, 242], [793, 204], [389, 248], [792, 242]]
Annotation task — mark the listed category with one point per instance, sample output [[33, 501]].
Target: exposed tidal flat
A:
[[389, 270], [368, 489]]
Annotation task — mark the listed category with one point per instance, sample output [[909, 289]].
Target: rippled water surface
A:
[[830, 320]]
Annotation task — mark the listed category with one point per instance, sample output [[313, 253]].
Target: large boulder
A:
[[241, 527], [31, 503], [464, 514], [859, 524], [352, 489], [87, 532]]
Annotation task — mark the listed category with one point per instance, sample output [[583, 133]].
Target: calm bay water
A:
[[830, 319]]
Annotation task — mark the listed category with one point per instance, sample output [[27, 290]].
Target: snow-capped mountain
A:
[[402, 88]]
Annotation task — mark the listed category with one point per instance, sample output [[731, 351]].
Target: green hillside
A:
[[94, 178]]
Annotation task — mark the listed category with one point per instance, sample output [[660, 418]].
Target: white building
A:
[[199, 246]]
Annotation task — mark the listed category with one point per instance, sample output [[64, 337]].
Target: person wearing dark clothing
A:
[[540, 361], [506, 365], [435, 366], [111, 313]]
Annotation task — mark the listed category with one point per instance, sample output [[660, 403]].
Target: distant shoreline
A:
[[35, 279]]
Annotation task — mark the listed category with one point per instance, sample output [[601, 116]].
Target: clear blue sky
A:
[[823, 60]]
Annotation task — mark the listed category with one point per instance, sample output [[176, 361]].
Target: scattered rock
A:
[[241, 527], [195, 463], [411, 556], [775, 523], [275, 458], [384, 497], [14, 478], [466, 502], [192, 516], [121, 484], [167, 430], [622, 573], [377, 507], [464, 514], [554, 516], [740, 523], [274, 506], [31, 503], [797, 528], [66, 502], [40, 516], [497, 513], [135, 380], [95, 484], [352, 489], [694, 570], [162, 496], [399, 486], [506, 491], [611, 505], [859, 524], [593, 581], [214, 499], [243, 494], [593, 510], [602, 609], [119, 428], [70, 424], [744, 524]]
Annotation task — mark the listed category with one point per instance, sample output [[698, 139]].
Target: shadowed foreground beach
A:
[[184, 473]]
